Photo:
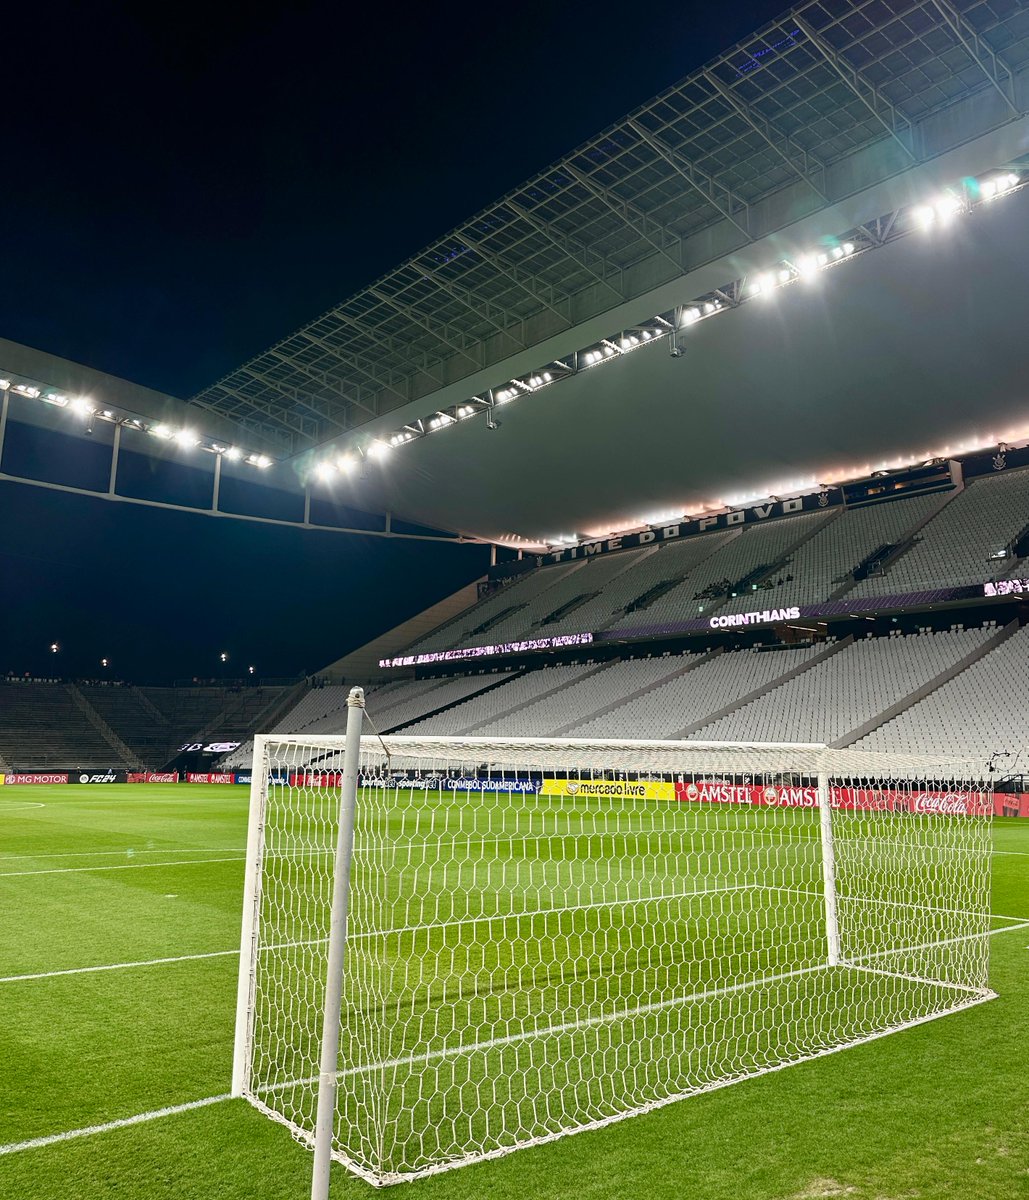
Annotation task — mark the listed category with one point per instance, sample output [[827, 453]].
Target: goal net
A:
[[547, 936]]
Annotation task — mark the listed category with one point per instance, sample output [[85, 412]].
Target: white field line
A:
[[182, 862], [122, 966], [9, 806], [861, 959], [153, 962], [640, 1010], [128, 851], [123, 1123]]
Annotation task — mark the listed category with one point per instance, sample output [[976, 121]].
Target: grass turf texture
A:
[[934, 1111]]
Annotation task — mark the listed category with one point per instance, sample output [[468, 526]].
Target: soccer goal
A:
[[547, 936]]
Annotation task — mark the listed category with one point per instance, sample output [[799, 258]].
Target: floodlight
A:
[[81, 406], [233, 453], [785, 275], [161, 431], [710, 307], [346, 463], [848, 247], [690, 315], [924, 215], [807, 265], [186, 437], [4, 384], [379, 449], [608, 351], [325, 470]]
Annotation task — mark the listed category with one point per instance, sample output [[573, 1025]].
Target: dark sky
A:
[[185, 185]]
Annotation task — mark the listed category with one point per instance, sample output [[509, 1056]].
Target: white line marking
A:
[[182, 862], [7, 806], [52, 1138], [508, 1039], [122, 966], [128, 850]]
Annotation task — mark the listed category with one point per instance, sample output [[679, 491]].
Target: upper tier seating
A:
[[521, 590], [954, 548], [840, 693], [978, 713], [705, 588], [824, 564]]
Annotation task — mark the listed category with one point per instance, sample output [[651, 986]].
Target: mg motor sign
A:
[[37, 777]]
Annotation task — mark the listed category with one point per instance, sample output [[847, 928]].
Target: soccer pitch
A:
[[118, 959]]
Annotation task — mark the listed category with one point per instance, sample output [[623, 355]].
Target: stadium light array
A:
[[87, 409], [804, 268]]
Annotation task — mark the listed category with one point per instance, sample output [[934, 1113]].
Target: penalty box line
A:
[[1017, 923], [52, 1139], [357, 935]]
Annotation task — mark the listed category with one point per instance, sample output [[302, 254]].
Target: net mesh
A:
[[545, 937]]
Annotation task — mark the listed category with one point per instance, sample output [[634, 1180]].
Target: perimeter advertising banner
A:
[[924, 803], [209, 777], [37, 777], [615, 789], [153, 777]]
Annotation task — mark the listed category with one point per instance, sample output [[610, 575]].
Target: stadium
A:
[[708, 758]]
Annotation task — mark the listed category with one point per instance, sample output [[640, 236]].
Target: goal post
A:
[[545, 936]]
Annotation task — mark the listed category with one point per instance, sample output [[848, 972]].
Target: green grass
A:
[[933, 1111]]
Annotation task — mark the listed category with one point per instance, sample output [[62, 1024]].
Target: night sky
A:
[[185, 186]]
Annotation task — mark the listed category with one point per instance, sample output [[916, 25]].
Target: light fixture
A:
[[82, 407], [54, 398], [54, 647], [186, 437], [379, 450], [4, 385], [325, 470], [233, 453], [162, 432]]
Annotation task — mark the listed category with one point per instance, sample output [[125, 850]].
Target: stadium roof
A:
[[820, 132], [635, 206]]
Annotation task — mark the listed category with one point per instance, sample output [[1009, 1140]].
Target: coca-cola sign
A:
[[153, 777], [947, 804]]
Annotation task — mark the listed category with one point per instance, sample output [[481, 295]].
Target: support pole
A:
[[243, 1050], [832, 922], [112, 483], [337, 945]]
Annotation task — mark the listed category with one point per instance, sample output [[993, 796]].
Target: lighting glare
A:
[[233, 454], [379, 449], [186, 437]]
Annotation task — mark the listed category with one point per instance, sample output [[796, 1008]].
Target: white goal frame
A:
[[665, 759]]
